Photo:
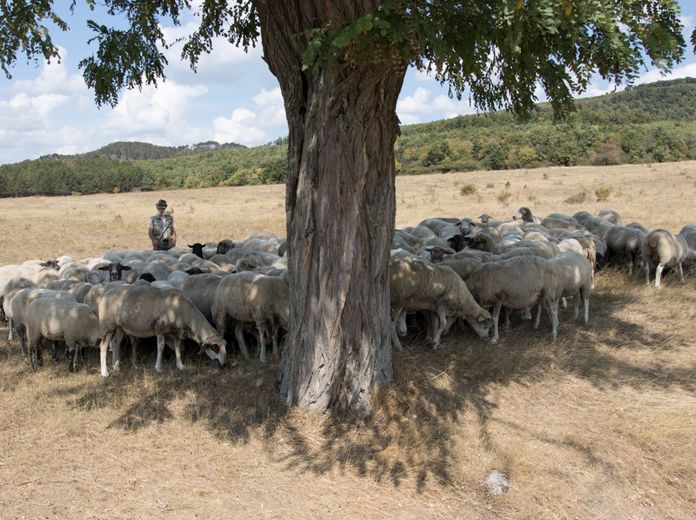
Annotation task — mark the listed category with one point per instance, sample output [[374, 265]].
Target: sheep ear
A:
[[126, 268], [190, 245], [104, 268]]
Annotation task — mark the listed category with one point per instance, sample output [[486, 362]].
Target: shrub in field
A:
[[602, 193], [578, 198], [468, 189]]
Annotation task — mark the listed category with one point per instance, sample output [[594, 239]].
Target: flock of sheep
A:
[[443, 269]]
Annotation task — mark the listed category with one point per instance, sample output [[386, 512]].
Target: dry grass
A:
[[598, 424]]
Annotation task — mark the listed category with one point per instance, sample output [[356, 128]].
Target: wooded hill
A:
[[650, 123]]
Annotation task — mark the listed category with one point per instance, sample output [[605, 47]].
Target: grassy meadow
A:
[[599, 424]]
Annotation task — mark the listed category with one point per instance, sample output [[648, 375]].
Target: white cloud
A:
[[682, 71], [414, 104], [53, 79], [226, 63], [159, 109], [419, 107], [272, 108], [241, 127]]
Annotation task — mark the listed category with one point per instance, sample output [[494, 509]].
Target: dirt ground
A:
[[599, 424]]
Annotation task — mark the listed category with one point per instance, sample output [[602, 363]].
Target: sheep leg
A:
[[507, 319], [564, 303], [103, 348], [116, 350], [658, 274], [33, 341], [177, 351], [552, 309], [395, 337], [496, 316], [401, 323], [274, 338], [439, 321], [160, 351], [135, 344], [586, 303], [22, 339], [576, 305], [239, 334], [76, 357], [261, 328], [537, 319], [10, 331], [681, 272], [647, 272]]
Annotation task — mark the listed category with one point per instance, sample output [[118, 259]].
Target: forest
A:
[[655, 122]]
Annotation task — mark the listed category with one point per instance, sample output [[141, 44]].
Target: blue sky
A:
[[47, 108]]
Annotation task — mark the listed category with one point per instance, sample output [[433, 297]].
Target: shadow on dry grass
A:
[[412, 432]]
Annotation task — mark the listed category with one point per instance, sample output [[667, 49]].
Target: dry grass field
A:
[[599, 424]]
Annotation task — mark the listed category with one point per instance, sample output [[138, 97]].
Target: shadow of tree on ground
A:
[[410, 432]]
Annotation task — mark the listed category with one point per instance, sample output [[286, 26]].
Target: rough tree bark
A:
[[340, 207]]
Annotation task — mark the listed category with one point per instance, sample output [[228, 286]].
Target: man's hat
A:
[[161, 203]]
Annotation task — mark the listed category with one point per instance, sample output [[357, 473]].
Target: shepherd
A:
[[161, 228]]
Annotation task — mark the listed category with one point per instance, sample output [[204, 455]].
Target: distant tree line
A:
[[648, 123]]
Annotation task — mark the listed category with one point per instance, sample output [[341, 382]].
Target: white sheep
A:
[[142, 312], [574, 279], [19, 303], [417, 285], [60, 320], [625, 244], [662, 249], [251, 297], [517, 283]]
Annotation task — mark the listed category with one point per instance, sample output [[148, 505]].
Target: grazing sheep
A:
[[574, 279], [18, 304], [525, 214], [159, 269], [142, 312], [8, 292], [251, 297], [60, 320], [612, 216], [637, 225], [201, 291], [197, 249], [516, 283], [444, 229], [417, 285], [689, 234], [224, 246], [624, 245], [662, 249]]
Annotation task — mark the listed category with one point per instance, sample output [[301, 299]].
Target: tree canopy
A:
[[501, 50]]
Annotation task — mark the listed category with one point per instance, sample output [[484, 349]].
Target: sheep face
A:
[[197, 249], [217, 350], [223, 247], [115, 270], [524, 214], [481, 324]]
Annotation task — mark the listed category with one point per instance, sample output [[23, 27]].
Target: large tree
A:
[[341, 65]]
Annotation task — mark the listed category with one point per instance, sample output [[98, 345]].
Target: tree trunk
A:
[[340, 207]]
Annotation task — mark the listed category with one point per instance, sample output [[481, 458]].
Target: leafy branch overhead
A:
[[500, 50]]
